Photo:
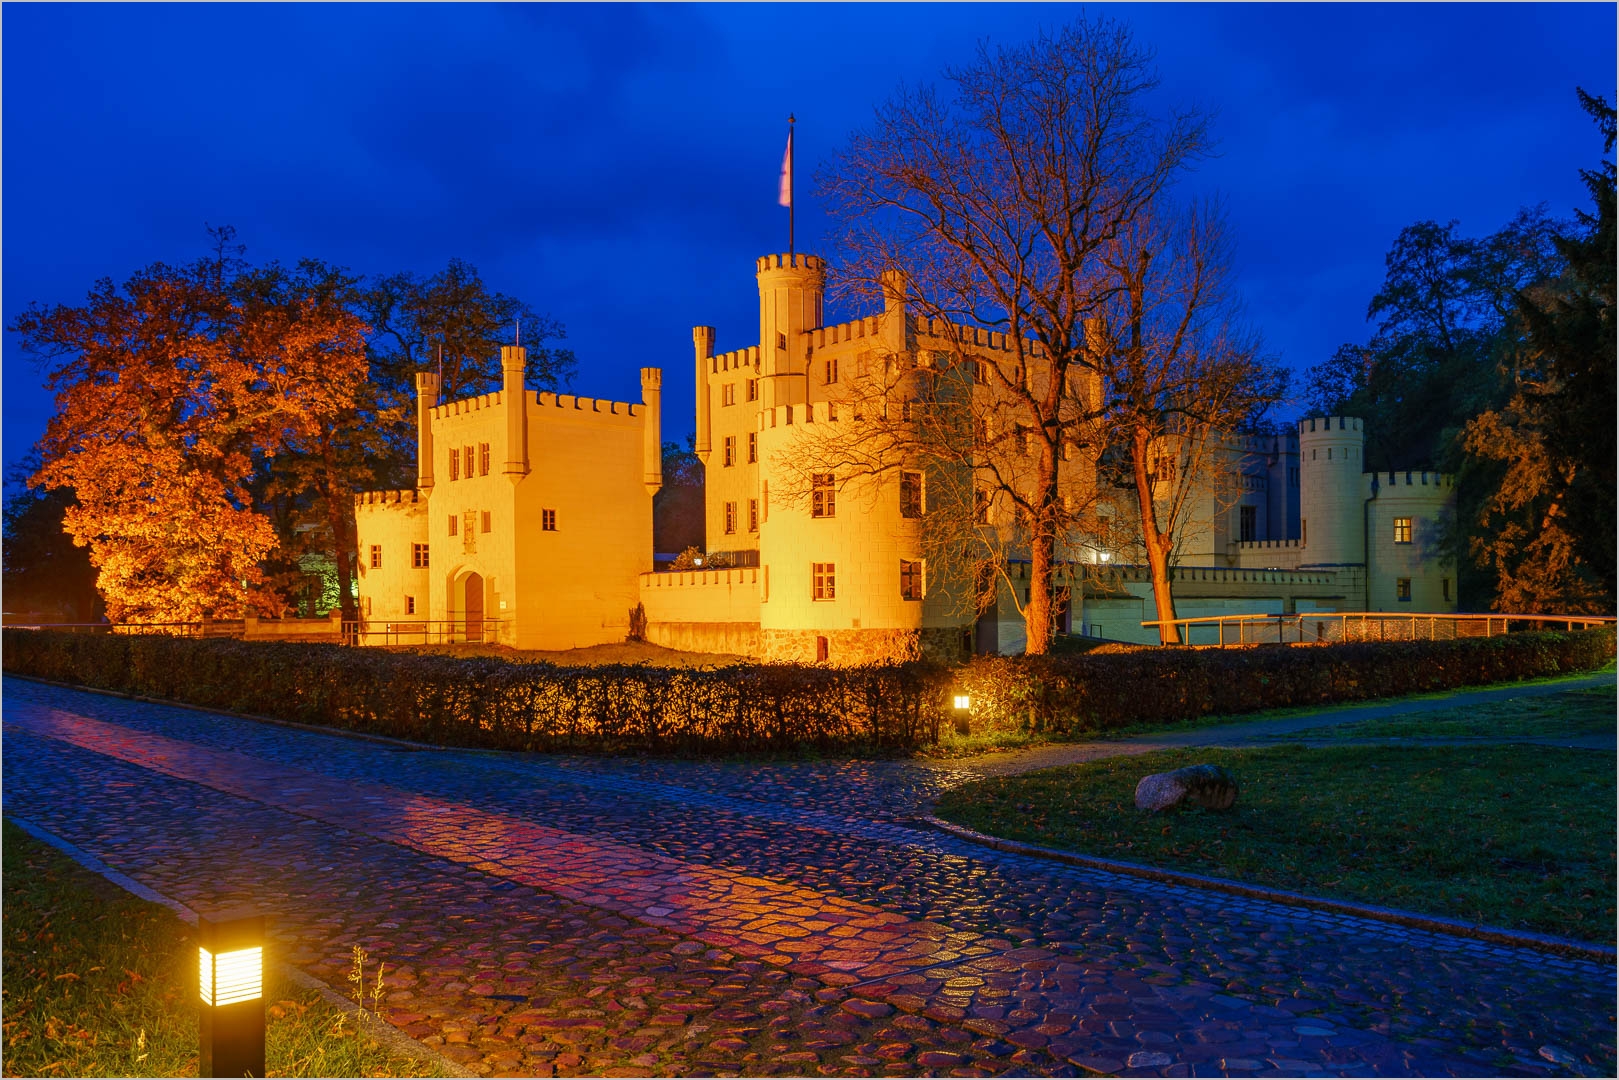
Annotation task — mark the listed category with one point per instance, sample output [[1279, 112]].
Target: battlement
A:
[[686, 579], [1346, 424], [404, 496], [1410, 478], [599, 406], [823, 336], [464, 405], [795, 261], [735, 360], [1270, 545]]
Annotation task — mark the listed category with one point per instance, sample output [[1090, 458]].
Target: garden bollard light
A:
[[963, 713], [231, 1020]]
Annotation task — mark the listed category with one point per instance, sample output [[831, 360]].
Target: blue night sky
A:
[[616, 166]]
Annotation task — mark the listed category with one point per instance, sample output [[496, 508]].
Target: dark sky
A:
[[616, 166]]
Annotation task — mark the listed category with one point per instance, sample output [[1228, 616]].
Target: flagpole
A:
[[792, 182]]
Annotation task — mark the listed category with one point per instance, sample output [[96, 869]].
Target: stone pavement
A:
[[1288, 728], [568, 916]]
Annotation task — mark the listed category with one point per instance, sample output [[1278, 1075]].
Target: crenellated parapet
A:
[[401, 497]]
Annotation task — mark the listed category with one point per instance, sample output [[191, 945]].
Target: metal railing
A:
[[1313, 627], [203, 628], [421, 631]]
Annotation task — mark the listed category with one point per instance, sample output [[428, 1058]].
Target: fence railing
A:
[[421, 631], [232, 628], [1309, 627]]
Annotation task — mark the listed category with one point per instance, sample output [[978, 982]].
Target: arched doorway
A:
[[474, 607]]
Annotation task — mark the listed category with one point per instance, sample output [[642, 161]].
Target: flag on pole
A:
[[786, 196]]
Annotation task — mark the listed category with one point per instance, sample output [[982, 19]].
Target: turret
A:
[[702, 339], [651, 429], [513, 359], [895, 331], [791, 291], [427, 387], [1330, 490]]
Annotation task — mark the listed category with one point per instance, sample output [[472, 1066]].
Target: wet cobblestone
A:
[[559, 916]]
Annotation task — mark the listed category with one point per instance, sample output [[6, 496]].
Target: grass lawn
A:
[[99, 983], [1511, 836], [1575, 712]]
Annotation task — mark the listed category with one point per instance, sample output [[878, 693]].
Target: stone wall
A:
[[849, 648], [737, 638]]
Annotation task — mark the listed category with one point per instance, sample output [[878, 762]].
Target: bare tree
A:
[[1181, 376], [999, 205]]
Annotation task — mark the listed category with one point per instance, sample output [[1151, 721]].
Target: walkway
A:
[[551, 915], [1268, 732]]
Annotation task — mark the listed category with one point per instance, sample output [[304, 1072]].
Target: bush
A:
[[622, 708], [1099, 691]]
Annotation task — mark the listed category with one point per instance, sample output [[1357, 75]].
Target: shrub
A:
[[623, 708]]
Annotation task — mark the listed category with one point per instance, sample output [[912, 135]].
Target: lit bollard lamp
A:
[[231, 1020], [962, 711]]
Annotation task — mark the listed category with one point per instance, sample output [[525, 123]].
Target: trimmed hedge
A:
[[1096, 691], [490, 702]]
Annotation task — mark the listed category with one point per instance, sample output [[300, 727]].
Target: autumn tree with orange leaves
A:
[[172, 390]]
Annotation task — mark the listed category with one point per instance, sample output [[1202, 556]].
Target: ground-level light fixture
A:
[[231, 1021], [961, 709]]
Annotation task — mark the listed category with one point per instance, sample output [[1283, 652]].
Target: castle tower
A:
[[702, 340], [791, 292], [427, 387], [652, 429], [513, 359], [1331, 499]]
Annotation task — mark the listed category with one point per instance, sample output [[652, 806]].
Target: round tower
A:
[[792, 289], [1330, 490]]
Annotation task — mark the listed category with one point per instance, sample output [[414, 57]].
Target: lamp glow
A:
[[963, 701], [231, 977]]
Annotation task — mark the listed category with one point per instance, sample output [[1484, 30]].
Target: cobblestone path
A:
[[566, 916]]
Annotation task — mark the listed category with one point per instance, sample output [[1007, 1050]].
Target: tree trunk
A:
[[1157, 543], [1042, 557]]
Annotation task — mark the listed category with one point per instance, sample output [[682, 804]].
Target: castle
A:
[[531, 521]]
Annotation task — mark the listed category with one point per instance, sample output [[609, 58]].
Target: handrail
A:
[[1282, 628]]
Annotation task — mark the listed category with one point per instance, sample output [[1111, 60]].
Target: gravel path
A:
[[568, 916]]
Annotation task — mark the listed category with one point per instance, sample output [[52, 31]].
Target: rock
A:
[[1209, 786]]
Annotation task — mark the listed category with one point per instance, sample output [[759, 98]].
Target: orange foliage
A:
[[170, 391]]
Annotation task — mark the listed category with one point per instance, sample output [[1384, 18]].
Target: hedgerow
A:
[[492, 702]]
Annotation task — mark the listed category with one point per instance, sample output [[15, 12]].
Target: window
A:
[[1444, 588], [469, 459], [376, 556], [910, 579], [980, 372], [730, 518], [831, 410], [365, 605], [455, 464], [753, 389], [822, 650], [548, 520], [418, 556], [981, 507], [469, 532], [753, 447], [1402, 530], [824, 575], [823, 496], [730, 450], [1250, 523], [1402, 588], [487, 524], [910, 494], [753, 515], [483, 459], [1304, 531], [831, 372], [410, 605], [781, 340], [454, 521], [728, 394]]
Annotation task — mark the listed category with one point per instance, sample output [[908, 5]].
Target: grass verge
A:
[[99, 983], [1512, 836], [1574, 712]]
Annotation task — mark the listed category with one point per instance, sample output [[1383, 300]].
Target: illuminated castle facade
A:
[[531, 522]]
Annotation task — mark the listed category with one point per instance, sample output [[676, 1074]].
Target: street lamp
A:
[[962, 710], [231, 979]]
